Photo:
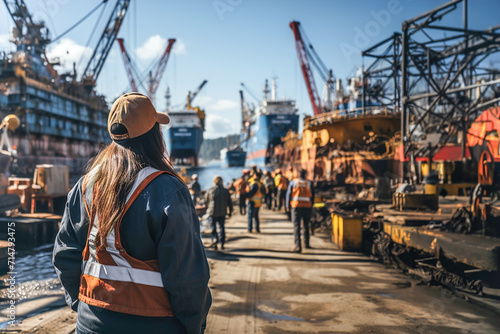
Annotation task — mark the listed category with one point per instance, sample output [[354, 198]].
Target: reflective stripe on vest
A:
[[301, 194], [111, 278], [118, 273]]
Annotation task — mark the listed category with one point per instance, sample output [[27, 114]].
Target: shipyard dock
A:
[[259, 286]]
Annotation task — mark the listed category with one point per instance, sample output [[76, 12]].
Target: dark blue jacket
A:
[[161, 224]]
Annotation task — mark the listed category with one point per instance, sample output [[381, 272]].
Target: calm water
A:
[[36, 264], [206, 174]]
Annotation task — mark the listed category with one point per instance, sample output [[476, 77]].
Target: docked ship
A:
[[266, 127], [233, 157], [63, 120], [184, 134]]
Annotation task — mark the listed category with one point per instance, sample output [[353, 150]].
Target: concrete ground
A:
[[259, 286]]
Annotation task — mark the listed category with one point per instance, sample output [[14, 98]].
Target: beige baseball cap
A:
[[136, 113]]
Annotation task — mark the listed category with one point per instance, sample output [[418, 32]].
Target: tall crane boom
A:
[[198, 90], [128, 66], [193, 95], [243, 112], [306, 68], [162, 64], [96, 62]]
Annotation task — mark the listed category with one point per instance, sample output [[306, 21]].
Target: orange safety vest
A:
[[283, 183], [114, 280], [257, 197], [301, 195], [240, 186]]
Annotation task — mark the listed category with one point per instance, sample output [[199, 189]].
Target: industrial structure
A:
[[63, 119], [418, 121]]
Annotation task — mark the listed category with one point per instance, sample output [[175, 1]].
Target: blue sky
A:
[[233, 41]]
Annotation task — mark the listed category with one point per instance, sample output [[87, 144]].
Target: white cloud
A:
[[203, 100], [222, 104], [179, 47], [210, 104], [152, 48], [218, 126], [69, 52], [5, 44]]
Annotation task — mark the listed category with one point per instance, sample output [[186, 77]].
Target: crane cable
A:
[[314, 57], [77, 23], [105, 2]]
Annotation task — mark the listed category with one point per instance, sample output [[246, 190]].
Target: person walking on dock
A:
[[269, 183], [240, 186], [219, 203], [128, 253], [281, 183], [254, 196], [299, 200], [195, 188]]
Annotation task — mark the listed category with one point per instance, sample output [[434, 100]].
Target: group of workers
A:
[[276, 190]]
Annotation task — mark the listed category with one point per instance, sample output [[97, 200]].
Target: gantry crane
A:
[[154, 81], [160, 69], [128, 63]]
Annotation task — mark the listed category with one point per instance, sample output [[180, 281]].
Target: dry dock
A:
[[259, 286]]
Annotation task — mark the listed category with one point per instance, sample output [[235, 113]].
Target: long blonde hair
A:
[[114, 171]]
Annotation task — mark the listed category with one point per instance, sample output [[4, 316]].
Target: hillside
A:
[[210, 149]]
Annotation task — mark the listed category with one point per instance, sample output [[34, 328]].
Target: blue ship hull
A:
[[183, 143], [269, 131], [235, 158]]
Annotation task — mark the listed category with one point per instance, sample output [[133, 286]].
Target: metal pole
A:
[[404, 93], [363, 105], [468, 81]]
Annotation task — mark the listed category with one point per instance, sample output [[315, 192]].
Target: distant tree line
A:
[[210, 149]]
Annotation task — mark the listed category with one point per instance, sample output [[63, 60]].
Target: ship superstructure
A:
[[63, 120], [184, 134], [264, 130]]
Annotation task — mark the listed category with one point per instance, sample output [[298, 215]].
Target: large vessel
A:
[[233, 157], [63, 120], [184, 134], [266, 127]]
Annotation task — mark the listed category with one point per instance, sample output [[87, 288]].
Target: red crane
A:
[[127, 62], [162, 64], [160, 68], [306, 68]]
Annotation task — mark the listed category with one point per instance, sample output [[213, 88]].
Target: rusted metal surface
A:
[[474, 250]]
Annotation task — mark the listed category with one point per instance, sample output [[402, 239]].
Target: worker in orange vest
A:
[[281, 183], [240, 186], [299, 200], [255, 198], [128, 253]]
